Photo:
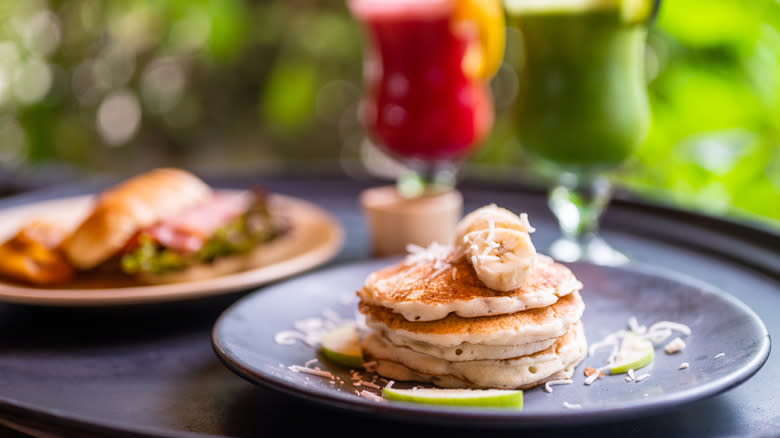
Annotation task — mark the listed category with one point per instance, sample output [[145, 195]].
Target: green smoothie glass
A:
[[582, 107]]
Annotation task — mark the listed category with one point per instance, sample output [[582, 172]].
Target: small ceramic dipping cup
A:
[[395, 221]]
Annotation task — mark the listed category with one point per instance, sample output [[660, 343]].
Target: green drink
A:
[[582, 104], [582, 101]]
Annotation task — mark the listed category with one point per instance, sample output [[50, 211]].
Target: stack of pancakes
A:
[[431, 319]]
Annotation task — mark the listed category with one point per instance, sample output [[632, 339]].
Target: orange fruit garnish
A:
[[486, 19]]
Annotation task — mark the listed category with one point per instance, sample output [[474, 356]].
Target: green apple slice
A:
[[503, 398], [342, 345], [635, 352]]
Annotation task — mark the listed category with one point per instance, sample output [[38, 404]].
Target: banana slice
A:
[[503, 258], [498, 245], [490, 216]]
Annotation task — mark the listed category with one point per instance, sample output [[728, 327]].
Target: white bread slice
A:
[[121, 211]]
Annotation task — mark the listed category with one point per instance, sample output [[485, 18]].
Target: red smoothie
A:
[[419, 102]]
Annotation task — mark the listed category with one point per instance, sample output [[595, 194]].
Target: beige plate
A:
[[315, 238]]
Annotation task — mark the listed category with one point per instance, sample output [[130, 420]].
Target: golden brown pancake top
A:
[[424, 282]]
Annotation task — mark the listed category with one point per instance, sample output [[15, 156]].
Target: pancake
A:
[[523, 372], [467, 350], [517, 328], [397, 371], [429, 287]]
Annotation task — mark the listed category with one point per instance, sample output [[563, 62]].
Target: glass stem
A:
[[578, 203], [427, 178]]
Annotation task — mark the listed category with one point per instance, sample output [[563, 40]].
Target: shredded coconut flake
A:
[[549, 384], [309, 331], [289, 337], [435, 252], [526, 223], [312, 371], [611, 340], [634, 326], [592, 378], [568, 405], [369, 395], [683, 365], [661, 330], [369, 384], [642, 377], [674, 346], [719, 355], [332, 316]]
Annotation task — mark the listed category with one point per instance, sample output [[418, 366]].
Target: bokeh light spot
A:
[[32, 80], [42, 33], [13, 147], [162, 83], [119, 117]]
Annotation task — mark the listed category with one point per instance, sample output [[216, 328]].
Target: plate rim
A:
[[180, 291], [432, 414]]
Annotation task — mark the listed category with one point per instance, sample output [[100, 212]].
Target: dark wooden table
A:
[[151, 371]]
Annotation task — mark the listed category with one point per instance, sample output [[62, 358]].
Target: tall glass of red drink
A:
[[427, 100]]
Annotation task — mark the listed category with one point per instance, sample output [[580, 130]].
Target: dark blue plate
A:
[[243, 338]]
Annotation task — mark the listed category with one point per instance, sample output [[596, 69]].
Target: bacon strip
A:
[[188, 231]]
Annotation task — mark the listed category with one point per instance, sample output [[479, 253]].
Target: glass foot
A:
[[594, 250]]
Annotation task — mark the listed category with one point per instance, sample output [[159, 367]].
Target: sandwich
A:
[[167, 225]]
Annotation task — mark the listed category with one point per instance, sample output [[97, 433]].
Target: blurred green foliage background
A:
[[121, 85]]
